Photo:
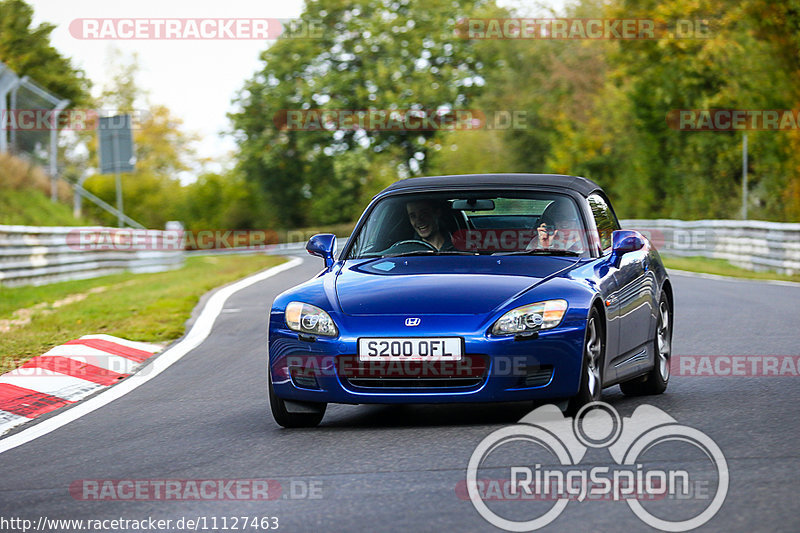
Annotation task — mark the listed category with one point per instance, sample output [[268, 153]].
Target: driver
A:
[[424, 216]]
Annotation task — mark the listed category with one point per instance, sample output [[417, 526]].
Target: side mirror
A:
[[323, 245], [624, 241]]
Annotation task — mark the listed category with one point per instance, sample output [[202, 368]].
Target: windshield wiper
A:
[[456, 252], [409, 254], [543, 251], [416, 252]]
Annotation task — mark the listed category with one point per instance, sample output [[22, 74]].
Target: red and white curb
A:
[[199, 331], [66, 374]]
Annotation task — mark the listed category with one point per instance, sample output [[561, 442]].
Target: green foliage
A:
[[596, 108], [599, 108], [152, 194], [25, 196], [27, 51], [382, 54], [473, 152], [217, 201], [145, 307], [30, 207]]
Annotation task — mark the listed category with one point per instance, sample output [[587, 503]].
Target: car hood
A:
[[455, 285]]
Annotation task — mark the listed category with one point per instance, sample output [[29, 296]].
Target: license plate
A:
[[410, 349]]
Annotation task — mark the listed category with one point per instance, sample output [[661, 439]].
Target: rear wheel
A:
[[655, 381], [591, 387], [310, 417]]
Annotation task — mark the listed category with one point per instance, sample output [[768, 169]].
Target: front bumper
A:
[[494, 369]]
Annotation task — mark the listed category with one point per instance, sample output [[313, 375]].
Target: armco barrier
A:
[[750, 244], [31, 255], [39, 255]]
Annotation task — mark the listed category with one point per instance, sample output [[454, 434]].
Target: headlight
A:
[[531, 318], [307, 318]]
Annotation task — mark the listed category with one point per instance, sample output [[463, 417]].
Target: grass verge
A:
[[141, 307], [721, 267], [30, 207]]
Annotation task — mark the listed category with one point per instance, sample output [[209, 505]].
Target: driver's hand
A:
[[545, 239]]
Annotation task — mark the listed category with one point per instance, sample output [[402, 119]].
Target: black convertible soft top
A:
[[581, 185]]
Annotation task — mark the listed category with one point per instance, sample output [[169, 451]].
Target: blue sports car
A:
[[478, 288]]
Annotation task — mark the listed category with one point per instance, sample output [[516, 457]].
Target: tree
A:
[[153, 193], [222, 201], [28, 52], [371, 55]]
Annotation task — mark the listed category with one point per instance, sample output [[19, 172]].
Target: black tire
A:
[[657, 379], [594, 351], [292, 420]]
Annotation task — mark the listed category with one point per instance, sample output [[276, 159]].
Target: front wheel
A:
[[655, 381], [591, 371], [310, 418]]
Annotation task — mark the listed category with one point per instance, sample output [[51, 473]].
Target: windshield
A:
[[474, 223]]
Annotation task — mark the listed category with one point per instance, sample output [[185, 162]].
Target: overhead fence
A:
[[29, 128], [20, 95]]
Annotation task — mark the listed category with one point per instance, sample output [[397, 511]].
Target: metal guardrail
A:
[[270, 249], [751, 244], [32, 255]]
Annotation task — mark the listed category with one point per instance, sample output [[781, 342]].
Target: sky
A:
[[195, 79]]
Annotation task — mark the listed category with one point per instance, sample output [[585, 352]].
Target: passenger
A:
[[558, 229]]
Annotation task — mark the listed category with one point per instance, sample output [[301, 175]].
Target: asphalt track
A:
[[379, 468]]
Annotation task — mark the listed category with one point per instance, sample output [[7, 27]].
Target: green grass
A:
[[721, 267], [141, 307], [31, 207]]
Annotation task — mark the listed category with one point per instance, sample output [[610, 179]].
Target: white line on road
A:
[[702, 275], [199, 332]]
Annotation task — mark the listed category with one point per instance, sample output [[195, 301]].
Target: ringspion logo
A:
[[550, 476]]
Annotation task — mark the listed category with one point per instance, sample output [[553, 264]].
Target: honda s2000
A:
[[480, 288]]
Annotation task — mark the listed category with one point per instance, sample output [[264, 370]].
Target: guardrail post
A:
[[744, 177]]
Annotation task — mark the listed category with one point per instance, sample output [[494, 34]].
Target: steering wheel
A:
[[411, 245]]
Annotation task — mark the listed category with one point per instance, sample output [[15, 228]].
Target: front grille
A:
[[468, 373], [413, 383]]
